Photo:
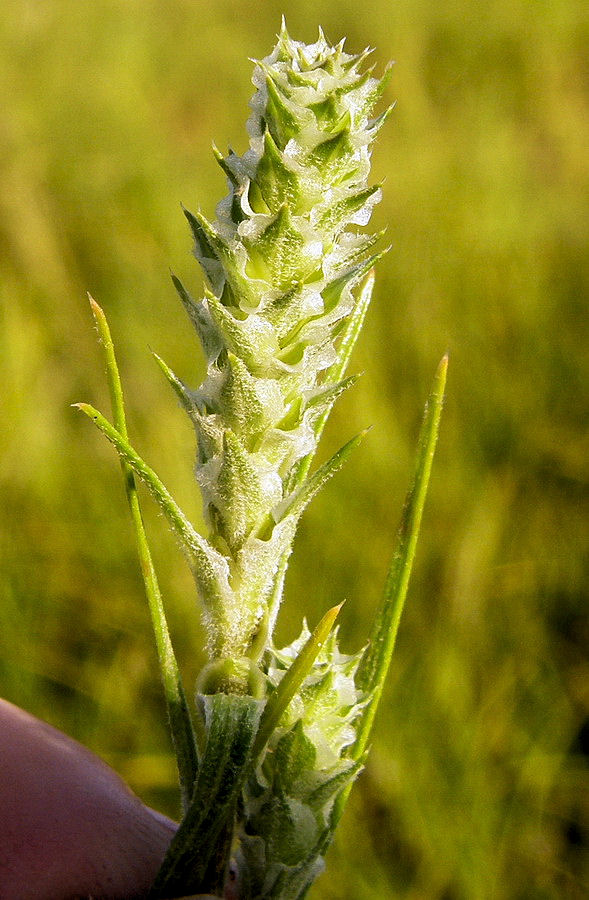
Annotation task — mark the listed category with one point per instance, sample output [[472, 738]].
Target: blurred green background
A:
[[477, 782]]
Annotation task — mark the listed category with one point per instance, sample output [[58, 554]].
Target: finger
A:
[[69, 826]]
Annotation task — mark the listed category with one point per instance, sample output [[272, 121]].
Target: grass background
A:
[[477, 782]]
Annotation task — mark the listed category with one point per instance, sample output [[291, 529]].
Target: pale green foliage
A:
[[281, 261], [277, 756], [289, 799]]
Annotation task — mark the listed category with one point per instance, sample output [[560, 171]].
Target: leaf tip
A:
[[87, 409], [441, 372], [334, 612], [97, 310]]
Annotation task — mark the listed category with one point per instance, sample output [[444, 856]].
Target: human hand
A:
[[69, 826]]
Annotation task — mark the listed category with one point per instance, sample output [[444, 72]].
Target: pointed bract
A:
[[282, 261]]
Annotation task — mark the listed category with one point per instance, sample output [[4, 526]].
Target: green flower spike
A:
[[267, 762], [282, 262]]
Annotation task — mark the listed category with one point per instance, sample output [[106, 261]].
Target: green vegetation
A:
[[277, 735], [474, 787]]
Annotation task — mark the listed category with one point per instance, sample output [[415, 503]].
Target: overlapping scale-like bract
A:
[[288, 800], [281, 261]]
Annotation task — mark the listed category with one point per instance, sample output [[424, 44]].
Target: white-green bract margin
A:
[[267, 755]]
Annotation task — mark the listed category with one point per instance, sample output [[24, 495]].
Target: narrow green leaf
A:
[[192, 864], [179, 388], [353, 328], [174, 514], [208, 565], [334, 290], [293, 678], [208, 334], [183, 735], [295, 504], [361, 246], [376, 661], [325, 396]]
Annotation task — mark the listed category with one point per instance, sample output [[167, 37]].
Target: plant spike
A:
[[280, 318], [293, 679], [289, 277]]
